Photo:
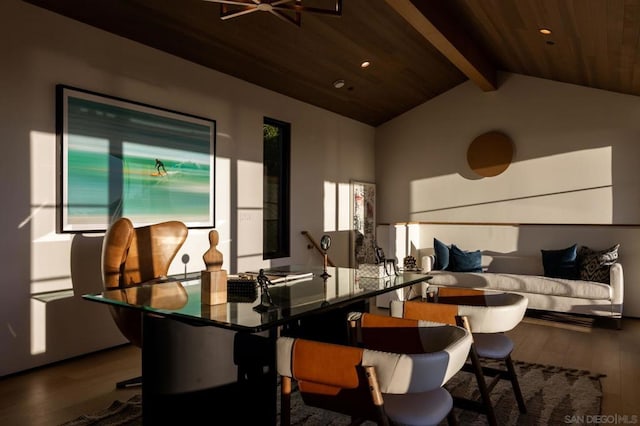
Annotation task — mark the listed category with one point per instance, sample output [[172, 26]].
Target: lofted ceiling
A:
[[418, 49]]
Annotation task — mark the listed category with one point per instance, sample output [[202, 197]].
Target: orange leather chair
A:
[[131, 256]]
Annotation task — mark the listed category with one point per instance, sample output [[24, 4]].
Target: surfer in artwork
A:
[[160, 166]]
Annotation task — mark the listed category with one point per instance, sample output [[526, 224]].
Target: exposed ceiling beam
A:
[[435, 25]]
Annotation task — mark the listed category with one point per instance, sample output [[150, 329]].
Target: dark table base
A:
[[193, 374]]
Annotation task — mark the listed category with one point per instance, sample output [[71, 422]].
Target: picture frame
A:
[[118, 158], [363, 228]]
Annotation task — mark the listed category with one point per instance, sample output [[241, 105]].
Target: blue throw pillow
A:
[[561, 263], [442, 255], [465, 261]]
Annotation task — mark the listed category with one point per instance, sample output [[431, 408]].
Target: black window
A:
[[277, 147]]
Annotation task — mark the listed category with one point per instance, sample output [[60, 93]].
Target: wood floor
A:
[[599, 348], [52, 395]]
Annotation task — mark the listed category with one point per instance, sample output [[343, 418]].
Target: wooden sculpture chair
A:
[[384, 387], [471, 309], [131, 256]]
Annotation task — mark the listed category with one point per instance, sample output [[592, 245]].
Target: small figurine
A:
[[213, 257], [213, 278], [410, 263], [266, 302]]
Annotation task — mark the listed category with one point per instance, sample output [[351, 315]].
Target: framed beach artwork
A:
[[122, 158], [363, 214]]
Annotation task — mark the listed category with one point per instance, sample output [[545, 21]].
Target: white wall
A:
[[575, 162], [41, 49], [575, 159]]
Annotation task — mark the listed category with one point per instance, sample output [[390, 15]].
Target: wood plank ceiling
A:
[[418, 49]]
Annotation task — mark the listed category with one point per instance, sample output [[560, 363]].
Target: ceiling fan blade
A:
[[279, 2], [285, 17], [233, 14], [234, 3], [280, 8], [283, 5]]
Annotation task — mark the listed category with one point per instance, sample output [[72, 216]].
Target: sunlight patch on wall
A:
[[62, 284], [38, 327], [43, 182], [50, 278], [573, 187], [413, 238], [344, 207], [223, 206], [249, 215], [249, 231], [402, 242], [49, 251], [249, 178], [337, 213], [330, 208]]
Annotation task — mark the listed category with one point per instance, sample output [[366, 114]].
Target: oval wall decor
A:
[[490, 153]]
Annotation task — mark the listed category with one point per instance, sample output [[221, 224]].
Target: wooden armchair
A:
[[384, 387], [486, 315], [131, 256]]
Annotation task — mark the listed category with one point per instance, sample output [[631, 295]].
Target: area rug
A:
[[553, 395]]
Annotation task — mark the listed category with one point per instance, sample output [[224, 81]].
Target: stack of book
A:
[[276, 276]]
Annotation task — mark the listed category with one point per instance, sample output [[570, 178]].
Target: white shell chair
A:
[[488, 315], [385, 387]]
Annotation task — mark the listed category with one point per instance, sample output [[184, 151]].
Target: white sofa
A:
[[524, 275]]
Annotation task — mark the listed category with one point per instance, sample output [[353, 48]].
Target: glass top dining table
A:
[[179, 297]]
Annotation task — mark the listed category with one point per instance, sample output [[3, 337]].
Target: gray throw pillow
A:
[[595, 265]]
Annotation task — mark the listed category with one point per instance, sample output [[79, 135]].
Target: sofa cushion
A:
[[513, 264], [561, 263], [524, 284], [464, 261], [595, 265]]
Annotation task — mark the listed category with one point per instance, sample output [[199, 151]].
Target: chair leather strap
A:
[[431, 312], [326, 363], [390, 334]]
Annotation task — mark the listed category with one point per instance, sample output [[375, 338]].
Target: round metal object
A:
[[490, 154], [325, 242]]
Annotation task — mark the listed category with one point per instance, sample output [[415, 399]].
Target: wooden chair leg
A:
[[285, 401], [376, 395], [514, 382], [463, 321], [482, 387]]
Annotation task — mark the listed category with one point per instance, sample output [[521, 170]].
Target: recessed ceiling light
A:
[[365, 64], [338, 84], [545, 31]]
